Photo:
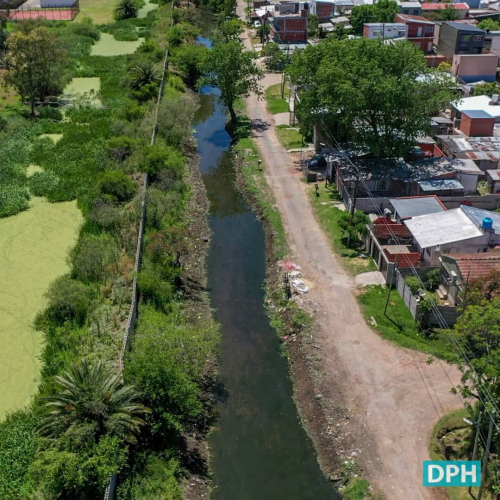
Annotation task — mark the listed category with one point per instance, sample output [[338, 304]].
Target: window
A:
[[377, 33], [465, 38], [429, 29], [401, 33], [406, 11], [477, 50], [415, 12], [382, 185], [478, 38]]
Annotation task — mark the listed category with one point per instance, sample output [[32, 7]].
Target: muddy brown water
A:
[[258, 450]]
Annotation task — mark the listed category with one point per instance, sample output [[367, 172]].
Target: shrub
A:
[[121, 147], [17, 449], [92, 256], [68, 299], [133, 111], [146, 92], [43, 183], [13, 199], [159, 157], [413, 284], [50, 113], [117, 185], [432, 279], [154, 290], [85, 28]]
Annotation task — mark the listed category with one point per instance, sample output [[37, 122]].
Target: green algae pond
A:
[[146, 9], [109, 46], [33, 250]]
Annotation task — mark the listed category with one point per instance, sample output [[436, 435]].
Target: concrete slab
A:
[[371, 278], [282, 118]]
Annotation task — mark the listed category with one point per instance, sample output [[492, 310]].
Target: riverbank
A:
[[391, 396], [294, 326]]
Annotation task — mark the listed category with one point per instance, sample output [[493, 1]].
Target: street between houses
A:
[[393, 397]]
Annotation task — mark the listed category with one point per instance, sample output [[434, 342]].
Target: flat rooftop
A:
[[415, 206]]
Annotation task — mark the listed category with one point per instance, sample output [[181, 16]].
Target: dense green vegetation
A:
[[71, 439], [382, 96]]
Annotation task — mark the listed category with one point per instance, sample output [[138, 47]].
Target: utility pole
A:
[[353, 207], [283, 80], [476, 441], [485, 458], [390, 288]]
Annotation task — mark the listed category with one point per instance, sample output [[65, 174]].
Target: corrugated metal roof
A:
[[442, 227], [416, 206], [494, 174], [478, 214], [439, 184]]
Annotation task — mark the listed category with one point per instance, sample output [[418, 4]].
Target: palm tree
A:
[[93, 395], [126, 9], [142, 74]]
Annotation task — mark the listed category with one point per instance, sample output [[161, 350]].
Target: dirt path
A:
[[394, 397]]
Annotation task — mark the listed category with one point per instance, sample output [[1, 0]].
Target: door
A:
[[419, 31]]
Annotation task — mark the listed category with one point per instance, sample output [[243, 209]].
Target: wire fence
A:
[[109, 493], [49, 12]]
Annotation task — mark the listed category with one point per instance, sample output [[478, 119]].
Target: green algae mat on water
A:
[[146, 9], [33, 249], [109, 46]]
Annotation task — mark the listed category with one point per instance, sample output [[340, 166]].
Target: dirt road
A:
[[394, 397]]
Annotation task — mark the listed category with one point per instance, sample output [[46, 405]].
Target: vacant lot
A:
[[33, 249]]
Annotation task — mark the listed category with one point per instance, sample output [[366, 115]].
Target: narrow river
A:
[[259, 450]]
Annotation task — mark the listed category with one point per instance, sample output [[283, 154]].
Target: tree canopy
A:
[[489, 88], [382, 11], [36, 64], [233, 71], [374, 95]]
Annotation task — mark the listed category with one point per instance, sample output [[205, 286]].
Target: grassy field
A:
[[398, 325], [146, 9], [290, 138], [328, 217], [275, 103], [101, 11], [34, 245]]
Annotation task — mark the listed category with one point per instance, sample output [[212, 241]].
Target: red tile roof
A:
[[478, 265]]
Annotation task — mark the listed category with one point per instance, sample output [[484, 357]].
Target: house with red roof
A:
[[462, 8], [420, 31]]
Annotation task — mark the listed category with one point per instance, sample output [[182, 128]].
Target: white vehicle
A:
[[257, 24]]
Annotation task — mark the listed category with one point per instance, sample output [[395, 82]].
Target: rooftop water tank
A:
[[487, 223]]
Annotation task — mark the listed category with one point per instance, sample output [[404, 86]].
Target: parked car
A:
[[317, 161], [256, 24]]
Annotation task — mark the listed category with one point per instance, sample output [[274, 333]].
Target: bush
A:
[[158, 157], [17, 449], [68, 300], [43, 183], [432, 279], [50, 113], [133, 111], [147, 92], [85, 28], [121, 147], [92, 257], [13, 199], [117, 185], [413, 284], [154, 290]]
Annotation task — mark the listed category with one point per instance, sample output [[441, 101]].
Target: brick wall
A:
[[477, 127], [325, 11], [291, 29]]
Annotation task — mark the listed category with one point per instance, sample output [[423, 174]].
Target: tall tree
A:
[[374, 95], [234, 72], [94, 397], [381, 12], [36, 64]]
